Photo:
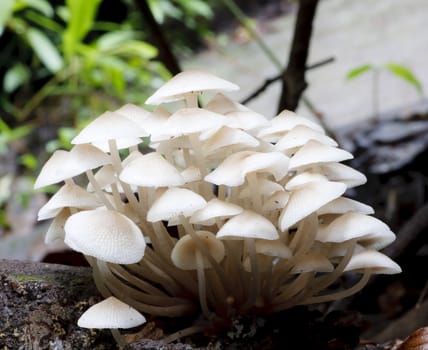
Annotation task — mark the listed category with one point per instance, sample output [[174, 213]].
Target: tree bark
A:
[[41, 303], [165, 53], [293, 78]]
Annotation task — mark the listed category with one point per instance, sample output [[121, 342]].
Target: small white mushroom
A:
[[151, 170], [314, 152], [223, 105], [233, 170], [312, 262], [307, 199], [373, 260], [343, 173], [300, 135], [187, 255], [342, 205], [369, 231], [214, 209], [248, 224], [64, 165], [106, 235], [69, 195], [109, 126], [111, 313], [184, 253], [283, 123], [187, 121], [191, 81], [173, 203]]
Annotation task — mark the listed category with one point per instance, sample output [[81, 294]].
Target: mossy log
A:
[[41, 303]]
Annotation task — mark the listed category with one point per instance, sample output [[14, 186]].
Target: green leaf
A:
[[114, 39], [6, 10], [45, 50], [136, 48], [406, 74], [42, 6], [356, 72], [81, 20], [29, 161], [197, 7], [15, 77]]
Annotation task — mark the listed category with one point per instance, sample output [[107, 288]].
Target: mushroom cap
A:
[[64, 165], [343, 173], [248, 224], [188, 121], [284, 122], [106, 235], [369, 231], [190, 81], [223, 104], [151, 170], [314, 152], [342, 205], [109, 126], [183, 255], [300, 135], [215, 208], [308, 199], [137, 114], [69, 195], [56, 231], [302, 179], [246, 120], [233, 170], [274, 248], [377, 262], [191, 174], [312, 262], [111, 313], [175, 202], [227, 138]]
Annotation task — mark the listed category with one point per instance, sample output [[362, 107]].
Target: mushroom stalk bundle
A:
[[227, 213]]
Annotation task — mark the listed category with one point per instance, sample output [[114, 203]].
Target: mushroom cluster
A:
[[227, 213]]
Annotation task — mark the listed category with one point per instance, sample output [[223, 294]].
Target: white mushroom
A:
[[106, 235], [188, 82], [111, 313], [151, 170], [175, 202], [369, 231], [308, 199], [314, 152]]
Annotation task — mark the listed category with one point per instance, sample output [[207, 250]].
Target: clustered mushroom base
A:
[[228, 214]]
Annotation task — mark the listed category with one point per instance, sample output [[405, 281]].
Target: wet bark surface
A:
[[41, 303]]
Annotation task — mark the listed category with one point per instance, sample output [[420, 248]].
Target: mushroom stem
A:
[[203, 249], [183, 333], [202, 285], [341, 294], [120, 340], [323, 282], [254, 275], [256, 198], [117, 164], [100, 193], [191, 100]]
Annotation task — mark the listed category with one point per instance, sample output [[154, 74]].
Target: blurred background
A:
[[63, 62]]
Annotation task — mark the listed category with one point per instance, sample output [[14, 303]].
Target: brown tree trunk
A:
[[293, 79], [165, 53]]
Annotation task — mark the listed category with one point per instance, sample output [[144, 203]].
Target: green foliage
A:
[[404, 73], [400, 71], [356, 72]]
